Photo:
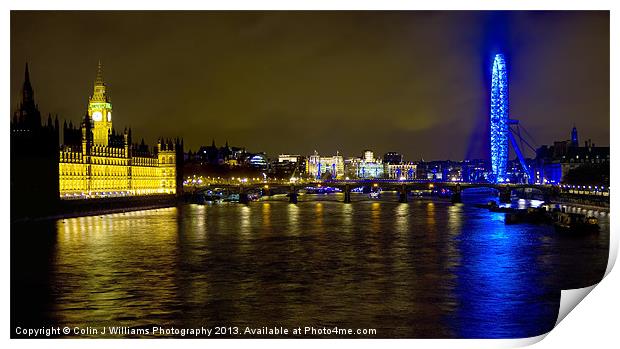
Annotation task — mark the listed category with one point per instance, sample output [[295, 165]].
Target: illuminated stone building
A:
[[401, 171], [96, 161], [325, 166]]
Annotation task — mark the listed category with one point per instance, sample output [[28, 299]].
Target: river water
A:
[[425, 269]]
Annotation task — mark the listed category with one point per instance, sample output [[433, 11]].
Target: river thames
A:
[[424, 269]]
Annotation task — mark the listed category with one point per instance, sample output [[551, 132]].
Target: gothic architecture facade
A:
[[96, 161], [34, 158], [93, 160]]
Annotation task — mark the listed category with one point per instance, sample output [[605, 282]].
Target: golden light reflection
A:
[[347, 218], [455, 217], [293, 219], [244, 220], [375, 216], [402, 218], [318, 210], [266, 217], [105, 260], [455, 226], [198, 223], [430, 216]]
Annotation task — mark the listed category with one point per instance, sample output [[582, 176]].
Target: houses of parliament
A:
[[92, 161]]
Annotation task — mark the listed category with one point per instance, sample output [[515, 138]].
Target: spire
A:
[[574, 138], [99, 78], [99, 94], [27, 93], [27, 75]]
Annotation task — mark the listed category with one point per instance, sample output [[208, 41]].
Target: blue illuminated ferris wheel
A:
[[501, 132], [499, 119]]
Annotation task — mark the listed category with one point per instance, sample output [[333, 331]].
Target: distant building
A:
[[369, 156], [288, 166], [34, 157], [475, 170], [574, 139], [257, 161], [392, 158], [325, 166], [554, 162], [401, 171], [433, 170], [370, 170], [351, 166], [214, 155], [289, 158]]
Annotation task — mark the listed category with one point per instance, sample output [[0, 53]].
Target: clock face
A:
[[97, 116], [109, 116]]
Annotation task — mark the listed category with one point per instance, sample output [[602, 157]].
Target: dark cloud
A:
[[414, 82]]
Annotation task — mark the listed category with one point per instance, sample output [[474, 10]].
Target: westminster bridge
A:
[[402, 187]]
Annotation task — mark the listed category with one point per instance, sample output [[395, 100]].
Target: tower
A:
[[574, 139], [27, 116], [100, 110], [499, 118], [34, 158]]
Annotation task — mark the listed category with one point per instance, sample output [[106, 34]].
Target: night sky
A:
[[293, 82]]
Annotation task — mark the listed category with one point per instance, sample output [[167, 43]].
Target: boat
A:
[[532, 215], [501, 209], [575, 223]]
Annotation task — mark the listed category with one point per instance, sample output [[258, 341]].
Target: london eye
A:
[[501, 131], [499, 119]]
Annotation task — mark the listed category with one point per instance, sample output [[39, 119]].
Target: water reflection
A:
[[293, 219], [244, 220], [266, 218], [402, 218], [497, 279], [318, 210], [430, 215], [347, 218], [104, 265], [421, 269]]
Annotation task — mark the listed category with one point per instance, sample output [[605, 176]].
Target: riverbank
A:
[[600, 203], [100, 206], [582, 206]]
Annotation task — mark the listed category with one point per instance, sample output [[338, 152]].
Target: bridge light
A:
[[266, 186], [375, 185], [431, 186]]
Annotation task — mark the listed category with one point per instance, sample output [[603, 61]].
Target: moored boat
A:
[[575, 223]]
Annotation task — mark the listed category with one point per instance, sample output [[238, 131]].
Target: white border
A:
[[594, 322]]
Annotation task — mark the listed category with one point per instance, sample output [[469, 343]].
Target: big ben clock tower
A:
[[100, 111]]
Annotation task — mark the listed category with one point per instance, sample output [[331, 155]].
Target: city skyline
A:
[[278, 120]]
